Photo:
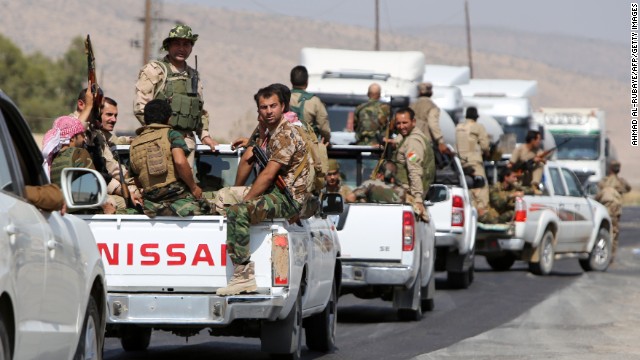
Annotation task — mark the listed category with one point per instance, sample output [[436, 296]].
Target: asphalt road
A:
[[495, 304]]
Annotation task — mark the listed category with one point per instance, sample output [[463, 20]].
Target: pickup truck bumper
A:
[[487, 246], [449, 239], [203, 309], [362, 274]]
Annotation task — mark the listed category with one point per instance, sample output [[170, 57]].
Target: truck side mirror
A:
[[477, 182], [83, 188], [332, 204], [437, 193]]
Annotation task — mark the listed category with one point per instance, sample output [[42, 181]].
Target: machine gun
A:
[[529, 165], [261, 159], [94, 118]]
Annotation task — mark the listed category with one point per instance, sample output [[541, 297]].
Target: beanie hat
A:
[[333, 165]]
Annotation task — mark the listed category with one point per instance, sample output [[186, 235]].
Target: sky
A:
[[606, 20]]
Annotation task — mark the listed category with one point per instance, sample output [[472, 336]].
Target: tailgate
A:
[[440, 214], [372, 231], [171, 253]]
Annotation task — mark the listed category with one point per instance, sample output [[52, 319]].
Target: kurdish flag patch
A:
[[412, 156]]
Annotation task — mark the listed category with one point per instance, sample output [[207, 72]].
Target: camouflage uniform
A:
[[164, 194], [314, 114], [378, 191], [416, 165], [69, 157], [611, 189], [472, 141], [502, 200], [186, 103], [370, 122], [286, 147], [428, 119], [522, 154]]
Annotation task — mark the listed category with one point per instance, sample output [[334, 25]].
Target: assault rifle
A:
[[262, 160], [126, 194], [529, 165], [94, 118]]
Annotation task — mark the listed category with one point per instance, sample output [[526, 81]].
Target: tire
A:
[[135, 338], [91, 338], [459, 279], [320, 329], [5, 342], [413, 314], [502, 262], [283, 339], [600, 255], [547, 254]]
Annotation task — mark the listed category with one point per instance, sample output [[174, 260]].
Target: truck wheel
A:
[[600, 256], [502, 262], [5, 344], [282, 339], [90, 344], [547, 255], [459, 279], [135, 338], [320, 329], [413, 314]]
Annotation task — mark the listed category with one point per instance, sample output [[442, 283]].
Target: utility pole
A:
[[377, 44], [466, 12], [147, 32]]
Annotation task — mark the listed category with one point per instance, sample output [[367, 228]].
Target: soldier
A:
[[173, 79], [428, 116], [370, 118], [159, 166], [308, 106], [503, 195], [610, 191], [529, 159], [382, 189], [288, 157], [414, 159], [333, 184], [472, 143]]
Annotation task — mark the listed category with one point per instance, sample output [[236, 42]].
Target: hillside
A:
[[240, 52]]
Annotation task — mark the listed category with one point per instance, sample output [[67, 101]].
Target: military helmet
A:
[[179, 32]]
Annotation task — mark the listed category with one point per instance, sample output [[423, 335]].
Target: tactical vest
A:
[[181, 89], [368, 125], [151, 157], [428, 164]]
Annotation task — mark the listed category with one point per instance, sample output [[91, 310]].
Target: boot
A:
[[242, 281]]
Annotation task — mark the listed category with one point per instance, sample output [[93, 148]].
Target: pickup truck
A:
[[562, 222], [52, 281], [387, 252], [163, 273], [455, 220]]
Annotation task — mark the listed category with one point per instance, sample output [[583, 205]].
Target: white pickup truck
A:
[[455, 220], [163, 273], [386, 251], [562, 222]]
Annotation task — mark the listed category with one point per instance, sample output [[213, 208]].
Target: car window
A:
[[556, 180], [573, 184]]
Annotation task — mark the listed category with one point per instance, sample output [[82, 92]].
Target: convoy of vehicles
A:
[[52, 281]]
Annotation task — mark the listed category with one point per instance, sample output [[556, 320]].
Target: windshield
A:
[[514, 125], [340, 117], [578, 147]]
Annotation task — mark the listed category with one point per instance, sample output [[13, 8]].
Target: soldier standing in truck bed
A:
[[370, 118]]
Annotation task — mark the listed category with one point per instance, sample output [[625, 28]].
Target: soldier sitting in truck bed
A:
[[382, 189]]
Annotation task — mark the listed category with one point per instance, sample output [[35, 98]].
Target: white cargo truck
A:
[[446, 93], [340, 78]]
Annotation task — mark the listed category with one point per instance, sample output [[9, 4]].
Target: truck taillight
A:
[[457, 211], [408, 234], [280, 260], [521, 210]]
